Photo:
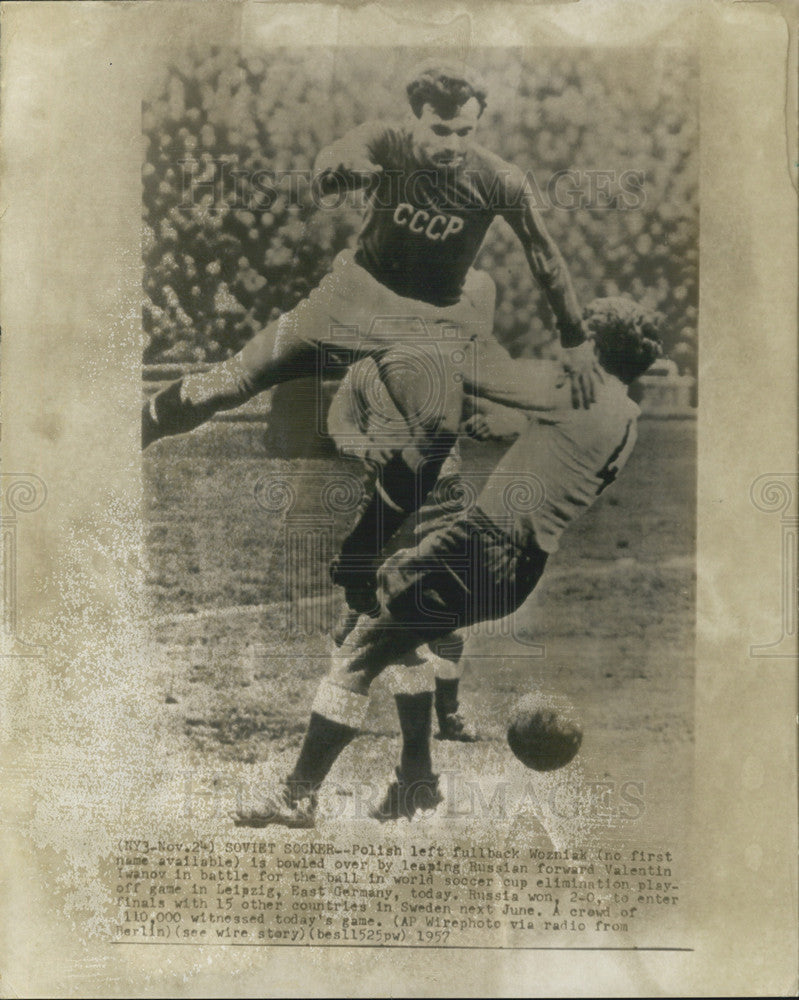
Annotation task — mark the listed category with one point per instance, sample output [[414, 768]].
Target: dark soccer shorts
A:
[[465, 571]]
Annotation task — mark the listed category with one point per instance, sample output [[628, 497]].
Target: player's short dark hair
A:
[[625, 334], [446, 87]]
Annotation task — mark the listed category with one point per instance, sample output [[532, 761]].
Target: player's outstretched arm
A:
[[550, 271], [349, 162], [523, 383], [492, 421]]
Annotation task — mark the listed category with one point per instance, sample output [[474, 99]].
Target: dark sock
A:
[[324, 741], [409, 476], [400, 491], [355, 568], [415, 712], [446, 698], [375, 526]]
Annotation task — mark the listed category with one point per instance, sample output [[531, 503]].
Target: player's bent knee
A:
[[342, 676]]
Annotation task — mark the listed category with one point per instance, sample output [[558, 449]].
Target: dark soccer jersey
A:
[[424, 225]]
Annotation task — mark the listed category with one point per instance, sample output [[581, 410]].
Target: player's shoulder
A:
[[393, 126], [633, 409], [392, 143], [497, 164], [610, 413], [376, 127], [627, 406], [499, 176], [484, 157], [617, 407], [376, 131]]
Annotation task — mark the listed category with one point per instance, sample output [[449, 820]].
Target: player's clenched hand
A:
[[353, 174], [478, 427], [584, 372], [363, 170], [497, 426]]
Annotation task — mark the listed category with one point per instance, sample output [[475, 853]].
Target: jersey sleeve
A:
[[522, 211], [371, 142], [502, 184], [524, 383], [516, 194]]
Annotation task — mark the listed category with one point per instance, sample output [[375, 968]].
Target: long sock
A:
[[415, 712], [324, 741], [399, 490], [355, 568], [446, 697], [409, 476], [376, 525]]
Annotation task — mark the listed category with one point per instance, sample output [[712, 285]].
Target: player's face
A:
[[444, 142]]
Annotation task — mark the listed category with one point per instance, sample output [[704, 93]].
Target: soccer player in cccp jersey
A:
[[405, 297]]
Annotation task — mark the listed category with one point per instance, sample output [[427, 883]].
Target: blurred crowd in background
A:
[[232, 236]]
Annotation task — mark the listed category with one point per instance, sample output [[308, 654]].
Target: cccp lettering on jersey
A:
[[434, 225]]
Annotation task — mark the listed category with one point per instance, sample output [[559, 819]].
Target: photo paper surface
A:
[[399, 519]]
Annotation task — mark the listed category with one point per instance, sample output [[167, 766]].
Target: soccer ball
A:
[[544, 731]]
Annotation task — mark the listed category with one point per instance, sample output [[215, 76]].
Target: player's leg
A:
[[272, 356], [371, 647], [447, 661], [466, 572], [415, 399], [426, 590], [293, 346], [410, 403], [337, 715], [355, 407], [443, 662], [424, 385], [451, 498], [342, 698], [365, 424], [415, 786], [412, 425], [399, 487]]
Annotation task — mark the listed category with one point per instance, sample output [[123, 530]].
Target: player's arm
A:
[[349, 163], [523, 383], [491, 421], [548, 266], [550, 271]]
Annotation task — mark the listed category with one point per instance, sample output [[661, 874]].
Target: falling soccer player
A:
[[408, 297], [364, 424], [483, 563]]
